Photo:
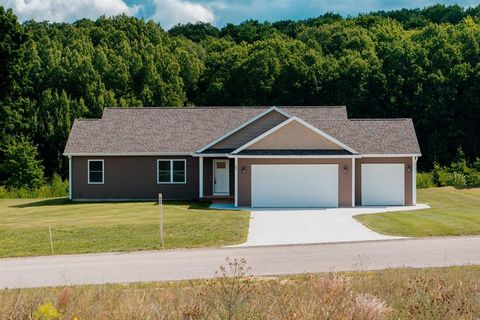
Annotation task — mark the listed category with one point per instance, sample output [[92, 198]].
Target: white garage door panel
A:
[[383, 184], [294, 186]]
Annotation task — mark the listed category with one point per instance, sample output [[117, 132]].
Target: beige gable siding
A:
[[294, 136], [251, 131]]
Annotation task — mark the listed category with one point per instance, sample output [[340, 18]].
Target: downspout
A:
[[200, 178], [353, 182], [414, 180], [236, 182], [70, 177]]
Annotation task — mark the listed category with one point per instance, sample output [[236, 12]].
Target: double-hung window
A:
[[95, 172], [171, 171]]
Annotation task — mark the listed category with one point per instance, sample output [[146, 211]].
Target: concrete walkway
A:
[[202, 263], [306, 226]]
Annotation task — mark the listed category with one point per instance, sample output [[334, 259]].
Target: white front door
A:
[[295, 185], [221, 177]]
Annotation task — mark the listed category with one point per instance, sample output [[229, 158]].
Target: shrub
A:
[[460, 164], [439, 175], [425, 180], [46, 312], [55, 188], [455, 179], [473, 179], [476, 165]]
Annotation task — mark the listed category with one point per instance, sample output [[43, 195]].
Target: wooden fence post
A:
[[160, 211], [51, 240]]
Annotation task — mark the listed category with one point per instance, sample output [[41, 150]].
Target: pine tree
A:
[[21, 164]]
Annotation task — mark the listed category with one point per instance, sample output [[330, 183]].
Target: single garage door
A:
[[383, 184], [295, 186]]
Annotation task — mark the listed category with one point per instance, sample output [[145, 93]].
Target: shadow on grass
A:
[[194, 205], [45, 202]]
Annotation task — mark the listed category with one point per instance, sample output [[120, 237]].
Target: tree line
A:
[[421, 63]]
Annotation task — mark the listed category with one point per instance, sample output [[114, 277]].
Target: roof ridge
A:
[[225, 107], [381, 119]]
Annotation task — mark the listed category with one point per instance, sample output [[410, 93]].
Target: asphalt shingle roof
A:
[[155, 130]]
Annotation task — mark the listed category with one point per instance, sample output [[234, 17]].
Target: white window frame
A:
[[171, 171], [103, 171]]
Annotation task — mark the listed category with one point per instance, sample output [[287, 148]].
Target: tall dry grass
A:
[[448, 293]]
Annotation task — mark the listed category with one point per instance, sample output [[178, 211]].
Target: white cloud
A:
[[171, 12], [67, 10]]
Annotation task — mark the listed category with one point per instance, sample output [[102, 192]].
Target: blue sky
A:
[[217, 12]]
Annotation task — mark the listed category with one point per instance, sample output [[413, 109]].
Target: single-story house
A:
[[251, 156]]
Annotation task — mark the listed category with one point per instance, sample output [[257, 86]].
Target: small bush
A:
[[459, 173], [455, 179], [55, 188], [46, 312], [473, 179], [425, 180], [476, 165]]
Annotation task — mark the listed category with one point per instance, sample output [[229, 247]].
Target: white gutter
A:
[[127, 154], [294, 156], [390, 155], [211, 155]]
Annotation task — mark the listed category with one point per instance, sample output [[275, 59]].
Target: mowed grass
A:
[[105, 227], [453, 212], [434, 293]]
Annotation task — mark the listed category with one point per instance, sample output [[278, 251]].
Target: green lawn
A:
[[453, 212], [103, 227]]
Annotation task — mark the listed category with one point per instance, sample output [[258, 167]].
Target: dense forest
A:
[[422, 63]]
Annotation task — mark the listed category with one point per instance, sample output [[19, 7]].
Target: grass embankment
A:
[[453, 212], [444, 293], [104, 227]]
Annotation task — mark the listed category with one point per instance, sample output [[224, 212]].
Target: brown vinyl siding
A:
[[132, 177], [251, 131], [344, 179], [294, 136], [407, 161], [207, 176]]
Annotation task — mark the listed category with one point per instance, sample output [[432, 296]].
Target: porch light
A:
[[345, 169], [409, 168], [244, 170]]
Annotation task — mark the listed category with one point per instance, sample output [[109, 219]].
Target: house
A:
[[253, 156]]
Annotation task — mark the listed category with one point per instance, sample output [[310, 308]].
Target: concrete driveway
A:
[[306, 226]]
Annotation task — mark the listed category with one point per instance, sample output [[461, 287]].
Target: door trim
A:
[[227, 161]]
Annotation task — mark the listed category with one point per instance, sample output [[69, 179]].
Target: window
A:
[[171, 171], [95, 171]]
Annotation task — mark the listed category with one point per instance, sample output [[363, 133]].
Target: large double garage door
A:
[[295, 185]]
